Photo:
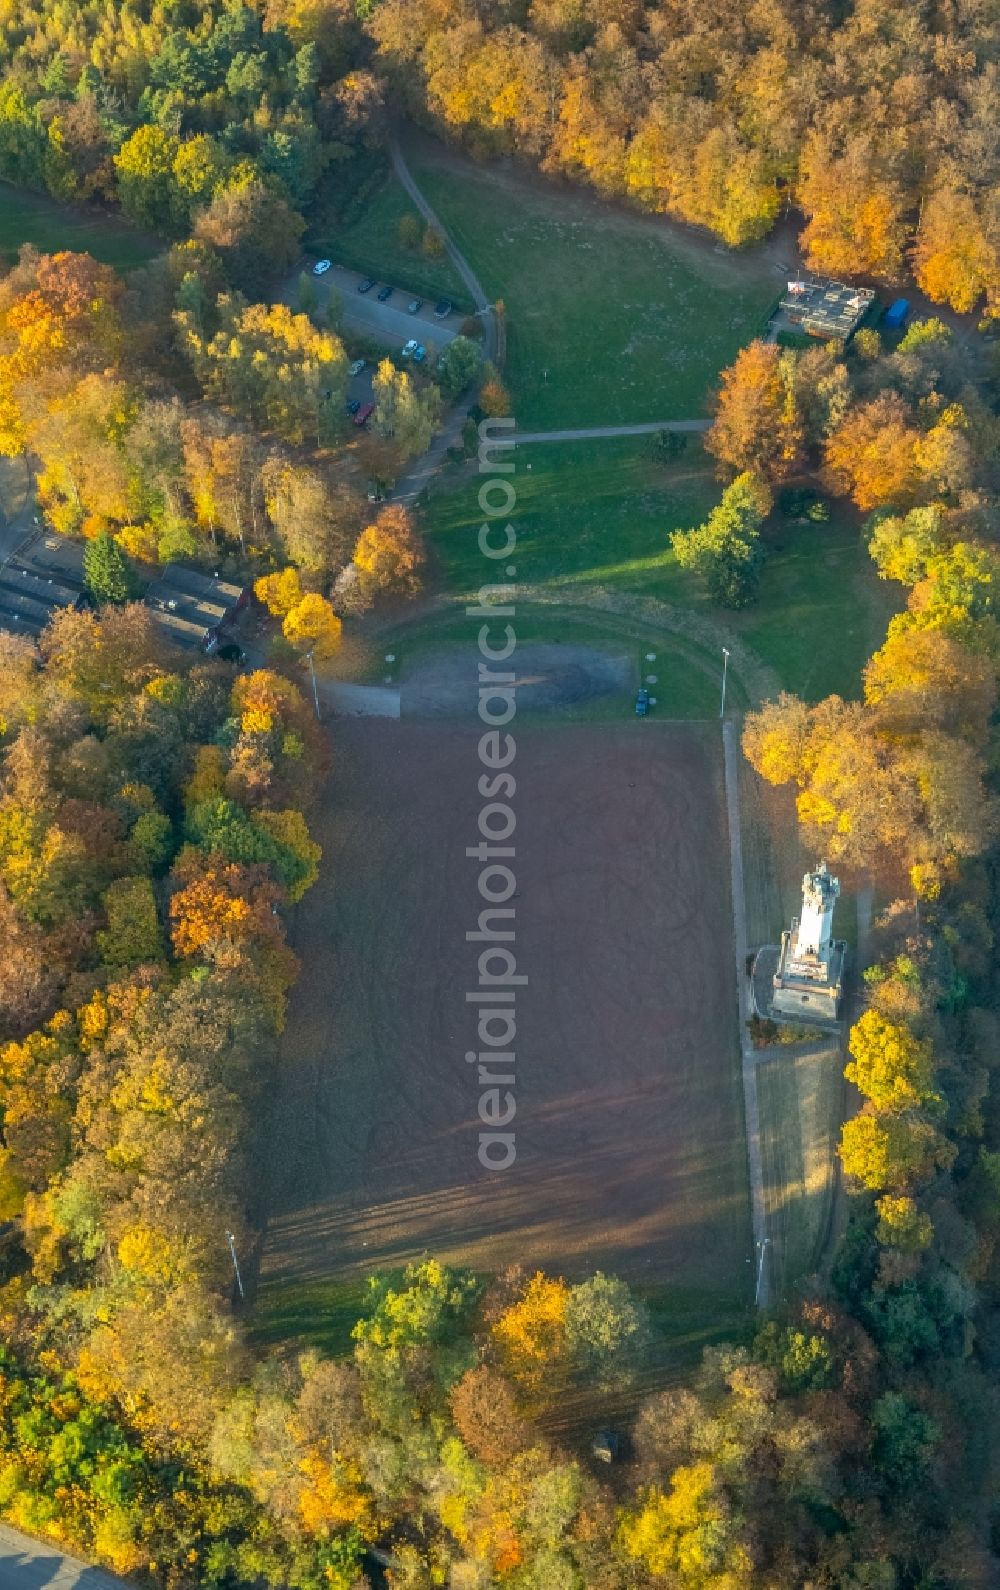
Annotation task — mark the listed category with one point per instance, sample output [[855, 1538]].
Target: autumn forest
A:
[[158, 806]]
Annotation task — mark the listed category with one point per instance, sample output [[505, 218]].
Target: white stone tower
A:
[[809, 981]]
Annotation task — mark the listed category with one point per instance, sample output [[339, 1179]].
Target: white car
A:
[[321, 267], [409, 348], [357, 367]]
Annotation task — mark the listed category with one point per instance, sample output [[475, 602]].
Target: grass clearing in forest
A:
[[597, 516], [34, 218], [800, 1092], [319, 1314], [611, 317], [372, 243]]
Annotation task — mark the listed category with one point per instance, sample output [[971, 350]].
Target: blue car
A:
[[642, 702]]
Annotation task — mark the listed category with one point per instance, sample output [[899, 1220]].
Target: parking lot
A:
[[388, 322]]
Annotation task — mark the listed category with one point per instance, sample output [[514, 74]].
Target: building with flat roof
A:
[[825, 308], [43, 575], [193, 607], [46, 573]]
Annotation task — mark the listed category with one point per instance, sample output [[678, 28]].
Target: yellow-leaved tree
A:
[[313, 626], [890, 1065], [687, 1536], [279, 592], [531, 1333], [955, 260]]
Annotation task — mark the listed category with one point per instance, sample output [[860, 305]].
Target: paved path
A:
[[17, 504], [458, 259], [28, 1564], [409, 487], [646, 428], [758, 1213]]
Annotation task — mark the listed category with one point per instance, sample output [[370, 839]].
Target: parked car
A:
[[642, 702], [366, 285], [606, 1446], [384, 293], [357, 366], [414, 305], [321, 267], [444, 308], [413, 350], [364, 414], [352, 405]]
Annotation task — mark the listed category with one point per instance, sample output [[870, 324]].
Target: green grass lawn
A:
[[587, 514], [597, 517], [801, 1101], [371, 243], [821, 609], [611, 318], [34, 218], [320, 1314]]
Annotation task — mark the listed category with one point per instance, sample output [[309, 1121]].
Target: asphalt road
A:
[[17, 505], [27, 1564], [389, 322]]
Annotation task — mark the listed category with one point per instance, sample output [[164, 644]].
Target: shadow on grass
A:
[[320, 1314]]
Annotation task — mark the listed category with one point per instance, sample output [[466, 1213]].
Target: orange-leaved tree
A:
[[757, 425]]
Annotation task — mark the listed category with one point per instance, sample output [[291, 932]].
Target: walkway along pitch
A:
[[758, 1214]]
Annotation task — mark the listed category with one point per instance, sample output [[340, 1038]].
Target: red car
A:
[[364, 414]]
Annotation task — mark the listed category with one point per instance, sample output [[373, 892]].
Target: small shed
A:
[[895, 315]]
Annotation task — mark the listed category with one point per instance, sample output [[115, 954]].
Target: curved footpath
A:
[[409, 486]]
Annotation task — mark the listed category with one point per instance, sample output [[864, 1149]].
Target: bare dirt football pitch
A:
[[630, 1143]]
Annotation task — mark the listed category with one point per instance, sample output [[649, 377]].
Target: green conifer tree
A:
[[106, 570]]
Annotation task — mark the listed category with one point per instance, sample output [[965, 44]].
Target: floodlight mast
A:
[[312, 675], [236, 1265]]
